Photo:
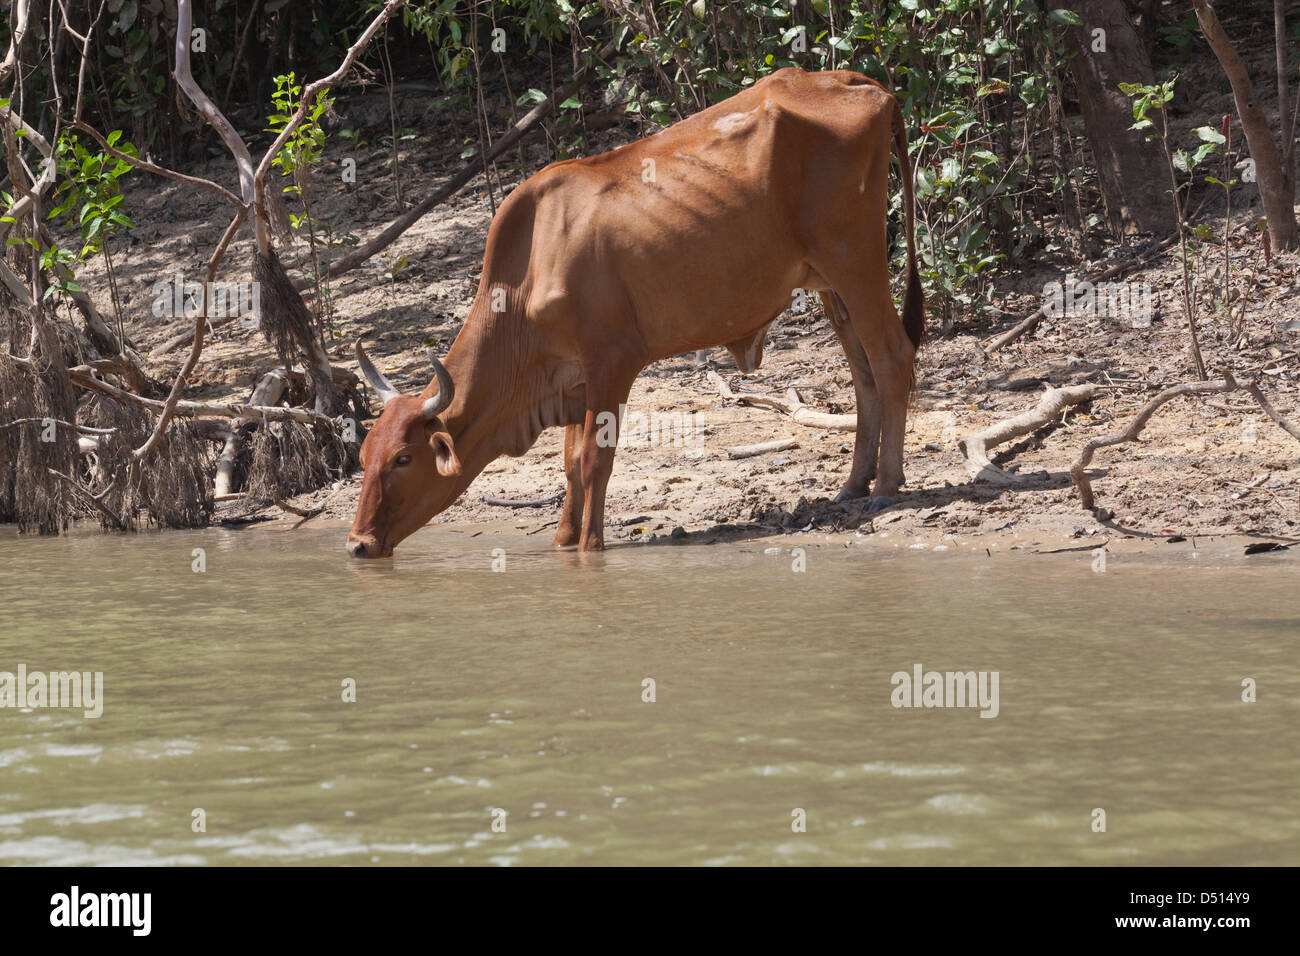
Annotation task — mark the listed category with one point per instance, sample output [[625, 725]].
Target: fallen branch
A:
[[791, 405], [553, 498], [975, 449], [1225, 384], [1271, 412], [762, 448]]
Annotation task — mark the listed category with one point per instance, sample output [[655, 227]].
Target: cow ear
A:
[[445, 454]]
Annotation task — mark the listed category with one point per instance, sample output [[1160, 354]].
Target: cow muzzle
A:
[[366, 546]]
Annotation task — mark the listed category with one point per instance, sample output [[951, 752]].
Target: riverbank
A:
[[1203, 466]]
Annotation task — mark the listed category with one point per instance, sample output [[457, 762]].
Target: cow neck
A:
[[486, 392]]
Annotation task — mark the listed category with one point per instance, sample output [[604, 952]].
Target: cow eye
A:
[[403, 460]]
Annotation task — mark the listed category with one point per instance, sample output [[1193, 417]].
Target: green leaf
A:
[[1065, 17], [1204, 150]]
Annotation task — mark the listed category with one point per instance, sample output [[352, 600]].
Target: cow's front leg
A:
[[570, 529], [599, 442]]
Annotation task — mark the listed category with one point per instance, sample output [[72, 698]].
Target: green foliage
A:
[[304, 147], [1182, 33], [1149, 97], [88, 191], [135, 32]]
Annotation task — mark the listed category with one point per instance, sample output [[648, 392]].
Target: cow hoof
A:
[[847, 495], [879, 503]]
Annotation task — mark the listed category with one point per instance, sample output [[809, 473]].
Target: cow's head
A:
[[410, 462]]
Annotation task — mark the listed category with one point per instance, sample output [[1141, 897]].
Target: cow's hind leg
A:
[[862, 281], [892, 356], [866, 445], [570, 529]]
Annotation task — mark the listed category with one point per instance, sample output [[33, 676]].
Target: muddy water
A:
[[522, 691]]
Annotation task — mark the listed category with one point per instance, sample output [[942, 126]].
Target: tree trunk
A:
[[1126, 164], [1276, 181]]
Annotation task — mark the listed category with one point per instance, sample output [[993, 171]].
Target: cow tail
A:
[[913, 297]]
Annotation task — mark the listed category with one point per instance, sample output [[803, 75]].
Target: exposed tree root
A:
[[1271, 412], [1225, 384], [307, 513], [975, 449]]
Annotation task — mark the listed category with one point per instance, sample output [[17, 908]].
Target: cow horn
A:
[[446, 390], [372, 375]]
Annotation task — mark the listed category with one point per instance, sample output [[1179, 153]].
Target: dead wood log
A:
[[762, 448], [267, 393], [975, 448], [553, 498], [791, 405]]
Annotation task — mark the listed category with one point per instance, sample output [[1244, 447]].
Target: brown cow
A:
[[692, 238]]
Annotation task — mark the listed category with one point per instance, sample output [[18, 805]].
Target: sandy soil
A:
[[1203, 467]]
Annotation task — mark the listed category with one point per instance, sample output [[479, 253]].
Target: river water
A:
[[772, 736]]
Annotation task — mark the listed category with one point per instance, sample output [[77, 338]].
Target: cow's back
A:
[[700, 230]]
